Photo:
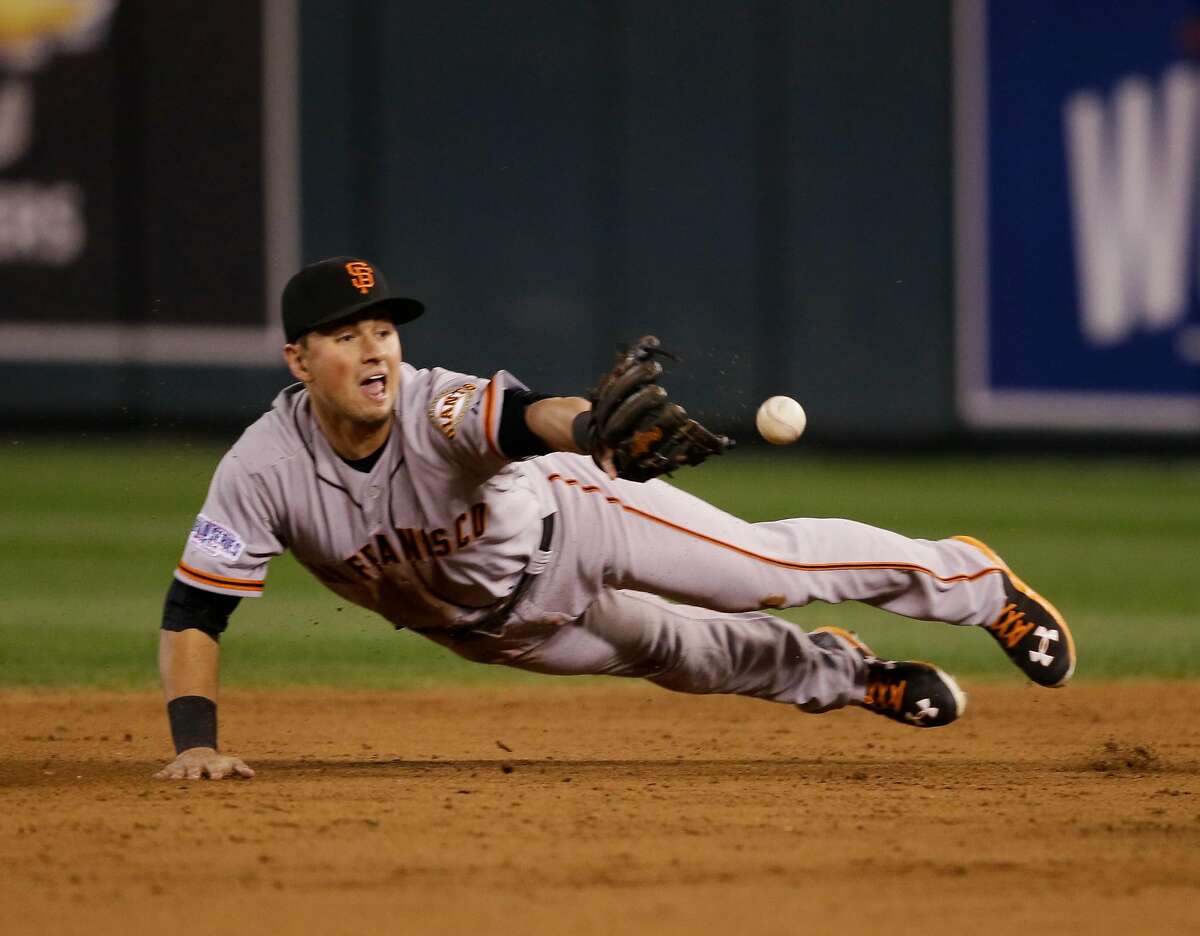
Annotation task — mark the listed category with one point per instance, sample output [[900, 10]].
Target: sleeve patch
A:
[[217, 541], [448, 410]]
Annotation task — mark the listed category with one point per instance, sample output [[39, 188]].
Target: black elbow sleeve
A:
[[516, 439], [187, 607]]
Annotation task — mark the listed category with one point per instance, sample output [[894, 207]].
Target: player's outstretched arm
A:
[[552, 420], [189, 664], [562, 423]]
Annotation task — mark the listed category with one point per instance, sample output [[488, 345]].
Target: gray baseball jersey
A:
[[444, 527], [438, 531]]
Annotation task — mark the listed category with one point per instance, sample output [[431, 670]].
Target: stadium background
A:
[[548, 176], [769, 186]]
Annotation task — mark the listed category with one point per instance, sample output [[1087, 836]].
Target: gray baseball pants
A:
[[621, 548]]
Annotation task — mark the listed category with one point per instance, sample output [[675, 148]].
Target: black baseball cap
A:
[[340, 287]]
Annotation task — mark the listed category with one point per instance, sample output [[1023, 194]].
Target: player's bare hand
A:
[[200, 762]]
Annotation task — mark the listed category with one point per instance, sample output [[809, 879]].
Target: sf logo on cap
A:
[[361, 275]]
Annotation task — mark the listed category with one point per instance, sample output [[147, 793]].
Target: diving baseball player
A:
[[533, 531]]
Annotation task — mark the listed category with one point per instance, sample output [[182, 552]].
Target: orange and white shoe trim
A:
[[1001, 628]]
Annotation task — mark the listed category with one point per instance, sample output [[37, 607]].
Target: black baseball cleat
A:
[[1030, 629], [912, 693], [917, 694]]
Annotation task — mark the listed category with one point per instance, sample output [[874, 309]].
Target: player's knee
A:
[[699, 673], [636, 629]]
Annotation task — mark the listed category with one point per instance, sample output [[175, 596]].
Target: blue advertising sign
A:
[[1077, 152]]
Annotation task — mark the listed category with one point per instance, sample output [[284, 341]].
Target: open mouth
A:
[[375, 387]]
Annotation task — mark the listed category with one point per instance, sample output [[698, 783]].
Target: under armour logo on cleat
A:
[[926, 712], [1040, 655]]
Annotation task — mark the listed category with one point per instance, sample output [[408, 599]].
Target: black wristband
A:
[[581, 431], [193, 722]]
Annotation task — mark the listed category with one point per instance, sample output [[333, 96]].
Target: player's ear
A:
[[294, 357]]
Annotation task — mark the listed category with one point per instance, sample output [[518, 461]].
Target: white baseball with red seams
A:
[[639, 580], [780, 420]]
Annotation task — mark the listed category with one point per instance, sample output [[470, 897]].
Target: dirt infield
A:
[[605, 808]]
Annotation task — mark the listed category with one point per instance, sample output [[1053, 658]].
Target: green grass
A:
[[89, 533]]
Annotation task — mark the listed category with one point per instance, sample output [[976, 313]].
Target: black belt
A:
[[493, 623]]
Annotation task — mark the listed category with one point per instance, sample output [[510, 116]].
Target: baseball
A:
[[780, 420]]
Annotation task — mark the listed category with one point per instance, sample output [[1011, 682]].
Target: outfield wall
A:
[[768, 185]]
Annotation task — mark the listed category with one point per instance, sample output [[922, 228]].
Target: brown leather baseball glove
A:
[[633, 425]]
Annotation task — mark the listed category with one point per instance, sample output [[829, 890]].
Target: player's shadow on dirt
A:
[[544, 765], [15, 774], [841, 768], [18, 774]]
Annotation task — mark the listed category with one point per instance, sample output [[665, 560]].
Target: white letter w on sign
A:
[[1132, 170]]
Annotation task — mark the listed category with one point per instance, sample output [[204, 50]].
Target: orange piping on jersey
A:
[[782, 563], [489, 405], [250, 585]]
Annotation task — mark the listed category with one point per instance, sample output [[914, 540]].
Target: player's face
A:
[[352, 369]]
